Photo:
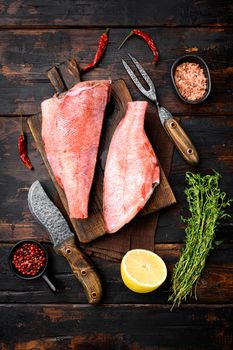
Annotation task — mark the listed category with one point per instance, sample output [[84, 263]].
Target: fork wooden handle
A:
[[182, 141]]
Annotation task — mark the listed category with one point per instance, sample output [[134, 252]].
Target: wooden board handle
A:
[[182, 141], [56, 80], [83, 269], [94, 227]]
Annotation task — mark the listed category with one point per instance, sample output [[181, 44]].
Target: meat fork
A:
[[181, 140]]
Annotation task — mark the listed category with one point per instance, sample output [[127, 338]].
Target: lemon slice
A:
[[142, 271]]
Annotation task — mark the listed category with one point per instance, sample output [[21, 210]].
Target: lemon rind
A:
[[138, 282]]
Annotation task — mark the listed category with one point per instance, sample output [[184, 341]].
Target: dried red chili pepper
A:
[[22, 148], [103, 42], [148, 39]]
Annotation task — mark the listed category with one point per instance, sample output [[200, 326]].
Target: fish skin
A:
[[131, 172], [71, 129]]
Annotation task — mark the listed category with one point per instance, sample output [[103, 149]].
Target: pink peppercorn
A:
[[29, 259]]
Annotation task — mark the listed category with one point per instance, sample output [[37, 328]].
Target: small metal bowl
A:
[[42, 273], [201, 62]]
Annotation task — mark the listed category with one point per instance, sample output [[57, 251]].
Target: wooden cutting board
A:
[[63, 78]]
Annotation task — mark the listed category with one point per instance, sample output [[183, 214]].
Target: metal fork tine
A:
[[135, 79], [143, 72]]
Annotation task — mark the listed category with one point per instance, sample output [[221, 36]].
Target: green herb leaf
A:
[[207, 205]]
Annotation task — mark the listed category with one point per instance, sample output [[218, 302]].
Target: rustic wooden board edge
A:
[[164, 186], [70, 76]]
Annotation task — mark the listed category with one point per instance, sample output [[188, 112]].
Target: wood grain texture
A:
[[183, 143], [83, 269], [216, 151], [215, 285], [56, 81], [126, 321], [94, 227], [84, 327], [82, 13], [27, 54]]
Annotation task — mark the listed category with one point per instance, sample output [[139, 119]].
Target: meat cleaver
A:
[[63, 240]]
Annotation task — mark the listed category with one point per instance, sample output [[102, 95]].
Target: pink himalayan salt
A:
[[190, 81]]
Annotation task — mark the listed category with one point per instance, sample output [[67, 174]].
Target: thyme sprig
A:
[[207, 205]]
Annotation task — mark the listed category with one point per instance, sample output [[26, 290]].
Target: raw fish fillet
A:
[[71, 128], [132, 171]]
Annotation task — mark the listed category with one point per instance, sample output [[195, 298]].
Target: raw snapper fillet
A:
[[132, 171], [71, 128]]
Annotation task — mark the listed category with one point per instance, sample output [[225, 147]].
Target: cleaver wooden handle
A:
[[82, 268]]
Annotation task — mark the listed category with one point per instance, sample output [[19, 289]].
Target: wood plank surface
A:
[[111, 327], [215, 286], [94, 227], [82, 13], [34, 36], [26, 55], [216, 151]]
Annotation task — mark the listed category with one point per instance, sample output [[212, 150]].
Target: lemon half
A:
[[142, 271]]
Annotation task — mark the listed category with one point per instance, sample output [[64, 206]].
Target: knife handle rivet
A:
[[83, 272], [190, 151], [172, 125], [68, 251], [93, 294]]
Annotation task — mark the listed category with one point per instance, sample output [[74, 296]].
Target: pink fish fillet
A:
[[71, 128], [132, 171]]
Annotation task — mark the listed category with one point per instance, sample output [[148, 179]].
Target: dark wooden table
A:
[[37, 34]]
